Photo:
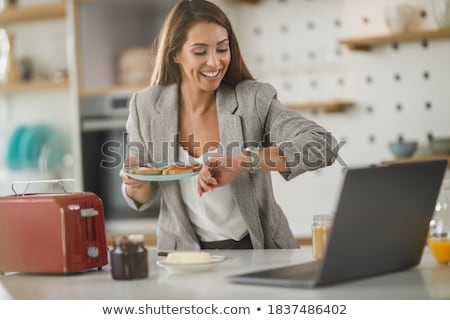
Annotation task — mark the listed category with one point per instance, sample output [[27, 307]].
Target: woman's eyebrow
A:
[[205, 45], [223, 41]]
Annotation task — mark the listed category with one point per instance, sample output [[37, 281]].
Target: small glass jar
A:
[[129, 258], [320, 232]]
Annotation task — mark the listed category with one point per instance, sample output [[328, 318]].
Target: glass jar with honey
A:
[[320, 232]]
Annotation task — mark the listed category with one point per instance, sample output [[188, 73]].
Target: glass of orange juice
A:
[[440, 248], [439, 235]]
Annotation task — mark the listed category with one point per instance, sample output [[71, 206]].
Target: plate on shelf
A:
[[160, 177], [191, 267], [13, 159]]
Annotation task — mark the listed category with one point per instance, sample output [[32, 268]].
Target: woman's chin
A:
[[210, 85]]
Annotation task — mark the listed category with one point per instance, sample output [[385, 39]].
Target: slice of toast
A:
[[178, 169], [148, 170]]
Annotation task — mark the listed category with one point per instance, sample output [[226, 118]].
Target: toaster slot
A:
[[88, 215], [88, 212]]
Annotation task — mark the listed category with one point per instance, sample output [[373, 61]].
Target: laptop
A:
[[380, 226]]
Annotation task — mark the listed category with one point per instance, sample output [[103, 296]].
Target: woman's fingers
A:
[[131, 182], [206, 185], [203, 187], [206, 182], [131, 161]]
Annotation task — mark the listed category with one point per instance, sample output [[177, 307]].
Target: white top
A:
[[215, 215]]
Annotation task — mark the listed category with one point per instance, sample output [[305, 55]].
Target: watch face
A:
[[254, 154]]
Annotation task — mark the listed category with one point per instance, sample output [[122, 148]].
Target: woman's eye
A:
[[222, 50], [200, 53]]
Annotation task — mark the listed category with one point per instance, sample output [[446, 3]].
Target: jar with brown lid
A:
[[129, 258]]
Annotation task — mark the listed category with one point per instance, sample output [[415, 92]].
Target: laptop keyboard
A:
[[307, 271]]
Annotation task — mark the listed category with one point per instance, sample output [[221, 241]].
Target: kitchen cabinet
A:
[[42, 37], [18, 15], [365, 43], [90, 36], [32, 13], [106, 28]]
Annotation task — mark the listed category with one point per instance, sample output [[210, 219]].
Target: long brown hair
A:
[[174, 33]]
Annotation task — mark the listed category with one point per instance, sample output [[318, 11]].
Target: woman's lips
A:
[[210, 74]]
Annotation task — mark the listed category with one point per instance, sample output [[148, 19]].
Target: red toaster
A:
[[52, 233]]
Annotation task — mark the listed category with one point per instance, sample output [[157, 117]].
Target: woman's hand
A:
[[220, 171], [139, 191]]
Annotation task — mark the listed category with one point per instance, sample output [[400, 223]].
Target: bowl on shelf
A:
[[441, 12], [399, 17], [440, 145], [403, 149]]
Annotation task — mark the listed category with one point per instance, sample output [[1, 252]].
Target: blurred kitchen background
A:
[[373, 72]]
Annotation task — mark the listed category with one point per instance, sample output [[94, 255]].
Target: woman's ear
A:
[[176, 59]]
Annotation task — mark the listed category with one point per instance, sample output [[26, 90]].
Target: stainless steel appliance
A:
[[103, 139]]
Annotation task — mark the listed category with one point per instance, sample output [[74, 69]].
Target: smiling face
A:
[[204, 57]]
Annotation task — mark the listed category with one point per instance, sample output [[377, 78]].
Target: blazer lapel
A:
[[164, 139], [164, 127], [232, 140]]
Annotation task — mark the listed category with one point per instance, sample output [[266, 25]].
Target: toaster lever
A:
[[88, 212]]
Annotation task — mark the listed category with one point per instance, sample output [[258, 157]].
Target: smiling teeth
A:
[[211, 74]]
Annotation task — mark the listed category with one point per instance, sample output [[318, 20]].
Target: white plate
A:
[[160, 177], [193, 267]]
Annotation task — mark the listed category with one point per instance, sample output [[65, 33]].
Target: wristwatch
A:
[[253, 152]]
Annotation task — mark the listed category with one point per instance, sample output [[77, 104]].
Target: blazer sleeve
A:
[[136, 147], [306, 145]]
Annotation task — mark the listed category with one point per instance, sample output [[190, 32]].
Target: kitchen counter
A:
[[427, 281]]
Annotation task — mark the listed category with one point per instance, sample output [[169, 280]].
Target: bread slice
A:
[[197, 167], [132, 170], [148, 170], [178, 169]]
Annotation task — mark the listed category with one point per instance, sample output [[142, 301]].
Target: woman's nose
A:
[[212, 60]]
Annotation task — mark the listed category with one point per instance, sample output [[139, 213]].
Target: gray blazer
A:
[[250, 112]]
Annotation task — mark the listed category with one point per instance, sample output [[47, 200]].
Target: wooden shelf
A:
[[32, 86], [113, 89], [248, 1], [418, 159], [365, 43], [30, 13], [326, 106]]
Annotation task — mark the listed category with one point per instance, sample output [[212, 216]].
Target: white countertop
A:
[[142, 225], [427, 281]]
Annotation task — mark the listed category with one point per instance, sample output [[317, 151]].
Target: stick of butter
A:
[[188, 257]]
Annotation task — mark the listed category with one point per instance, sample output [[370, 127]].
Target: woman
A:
[[204, 105]]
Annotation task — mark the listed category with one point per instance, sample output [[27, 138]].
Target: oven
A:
[[103, 137]]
